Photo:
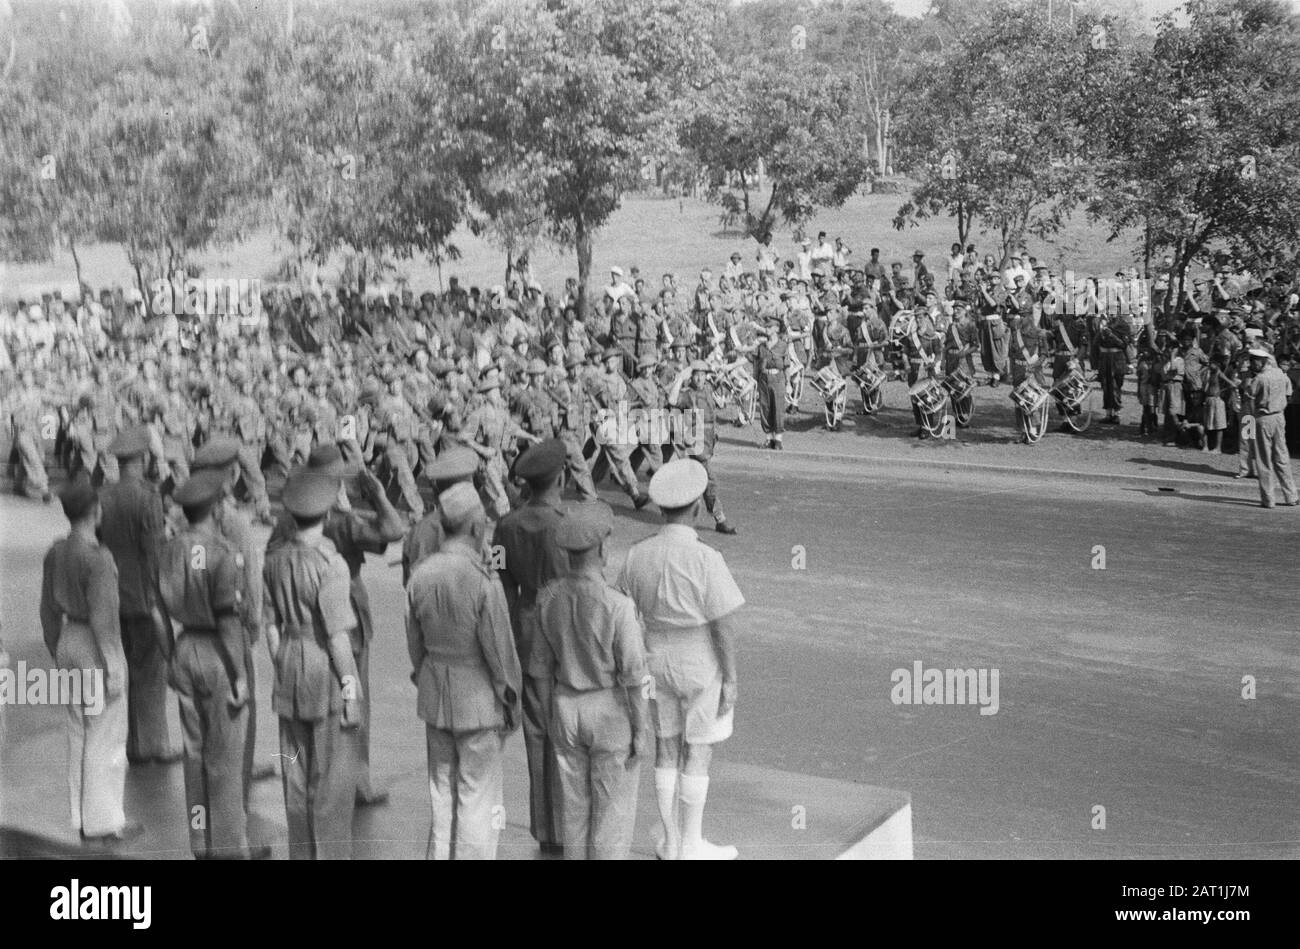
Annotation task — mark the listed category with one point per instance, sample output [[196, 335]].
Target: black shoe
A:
[[260, 853], [638, 502], [373, 799], [725, 528], [552, 850], [126, 833], [778, 446]]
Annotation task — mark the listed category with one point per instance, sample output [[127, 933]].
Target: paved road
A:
[[1118, 688]]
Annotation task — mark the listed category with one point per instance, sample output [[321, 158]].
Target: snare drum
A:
[[739, 379], [959, 384], [1071, 390], [868, 377], [828, 382], [1029, 396], [928, 395]]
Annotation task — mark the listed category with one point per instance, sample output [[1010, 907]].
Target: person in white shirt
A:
[[956, 261], [823, 256], [618, 287], [805, 260], [734, 268], [840, 256], [767, 257]]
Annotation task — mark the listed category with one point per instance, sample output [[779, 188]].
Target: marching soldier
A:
[[611, 394], [248, 425], [29, 408], [1113, 339], [771, 359], [317, 693], [201, 587], [467, 674], [649, 397], [80, 625], [1026, 339], [531, 559], [699, 443], [571, 400], [395, 424], [589, 648], [490, 431], [98, 420], [131, 527], [689, 633]]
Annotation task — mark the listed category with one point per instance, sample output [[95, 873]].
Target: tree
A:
[[1203, 146], [803, 125], [571, 95], [999, 124]]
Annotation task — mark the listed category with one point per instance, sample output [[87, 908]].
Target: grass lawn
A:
[[656, 234]]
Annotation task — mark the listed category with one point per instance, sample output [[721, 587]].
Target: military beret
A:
[[649, 359], [216, 453], [201, 488], [584, 526], [541, 461], [309, 493], [1259, 352], [78, 497], [536, 367], [488, 383], [573, 361], [459, 503], [437, 405], [699, 365], [611, 352], [130, 442], [678, 483], [454, 464]]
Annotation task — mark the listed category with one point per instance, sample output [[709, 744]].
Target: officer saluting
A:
[[466, 670], [316, 693], [200, 582], [687, 598], [589, 648], [527, 538], [79, 621]]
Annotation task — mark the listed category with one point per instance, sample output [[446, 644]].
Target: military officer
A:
[[395, 423], [687, 599], [354, 534], [249, 426], [317, 694], [29, 416], [201, 586], [455, 464], [571, 399], [589, 647], [80, 625], [131, 527], [530, 560], [1268, 392], [467, 674], [610, 393]]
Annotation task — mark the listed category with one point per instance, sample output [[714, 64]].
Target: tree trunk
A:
[[583, 242]]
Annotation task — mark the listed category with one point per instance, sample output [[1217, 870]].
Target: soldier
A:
[[201, 586], [29, 416], [648, 399], [354, 534], [589, 649], [491, 432], [425, 537], [530, 560], [1026, 339], [395, 426], [571, 401], [317, 694], [176, 416], [466, 671], [98, 420], [131, 527], [222, 454], [689, 632], [248, 425], [698, 399], [771, 359], [611, 394], [1269, 392], [80, 625], [1113, 340]]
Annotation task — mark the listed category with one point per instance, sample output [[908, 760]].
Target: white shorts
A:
[[688, 687]]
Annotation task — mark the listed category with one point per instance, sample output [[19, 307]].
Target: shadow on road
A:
[[1182, 466], [1210, 498]]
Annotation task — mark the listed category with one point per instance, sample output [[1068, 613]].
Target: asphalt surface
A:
[[1118, 688]]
